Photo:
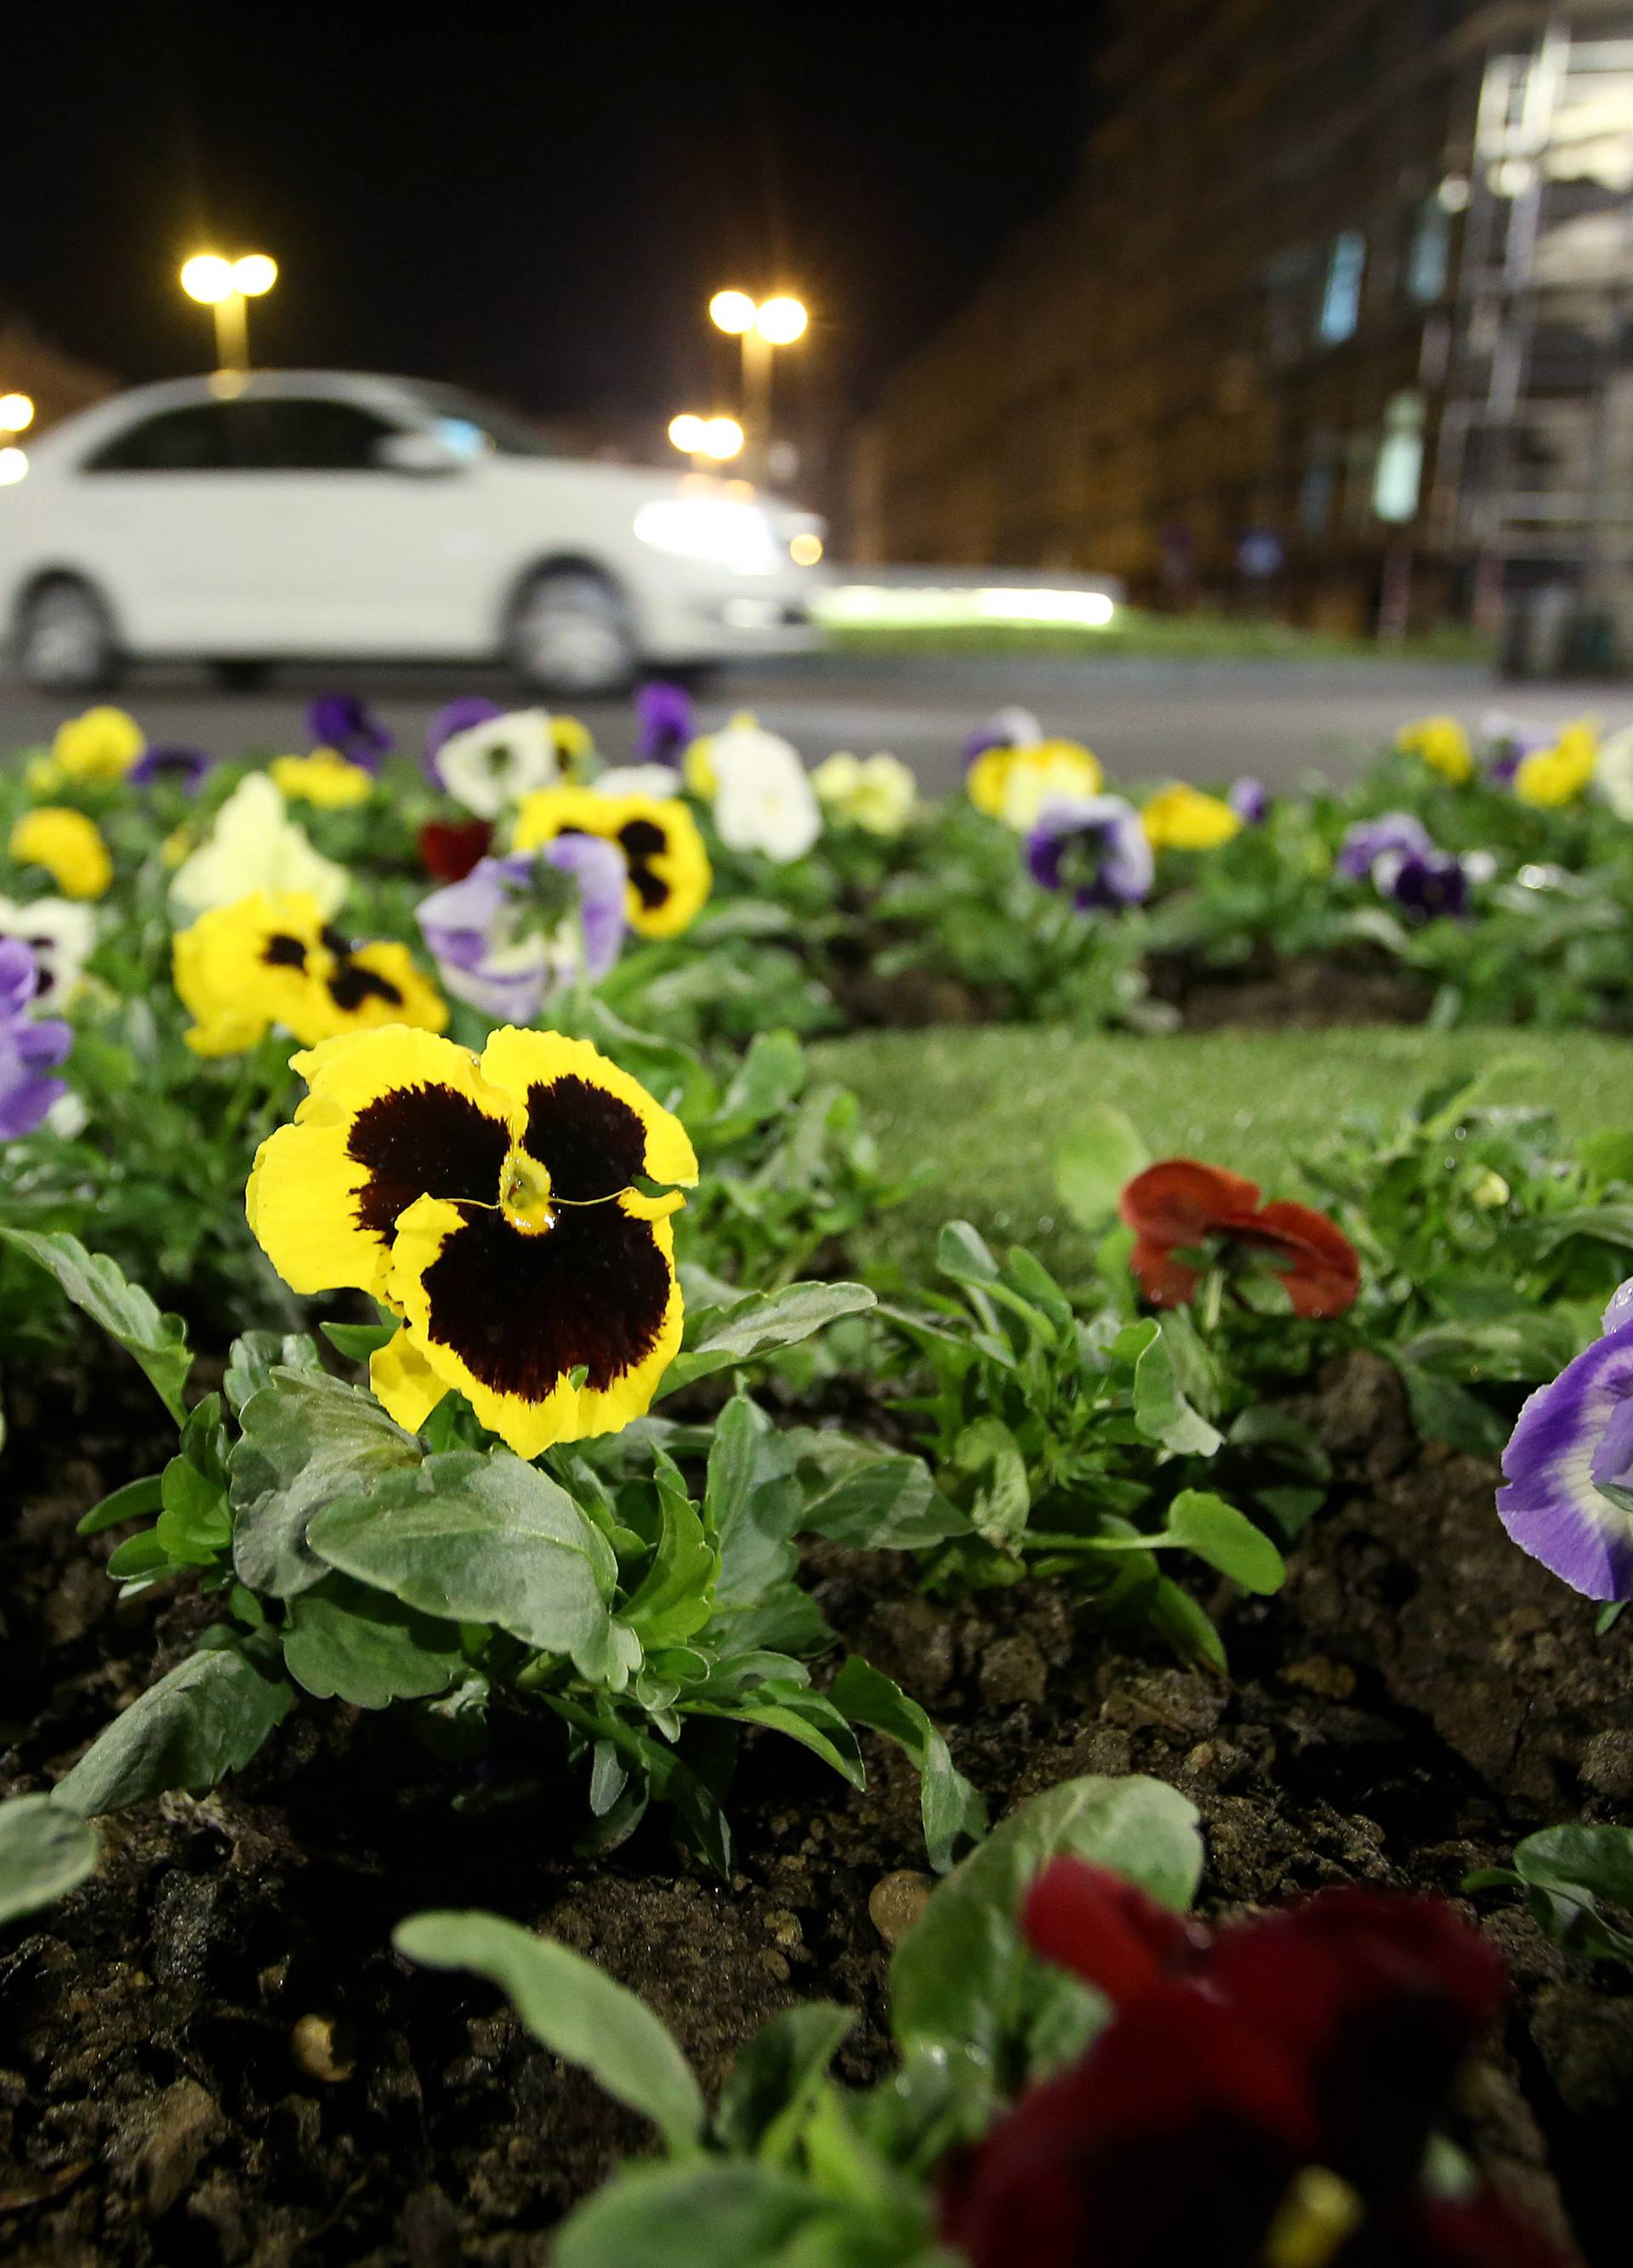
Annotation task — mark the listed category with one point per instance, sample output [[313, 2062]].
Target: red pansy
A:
[[449, 848], [1182, 1203]]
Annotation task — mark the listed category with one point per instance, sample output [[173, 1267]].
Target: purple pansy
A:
[[457, 716], [1369, 839], [1011, 728], [664, 725], [1508, 742], [1094, 849], [519, 927], [30, 1046], [1569, 1465], [341, 721], [187, 767], [1423, 884], [1250, 800]]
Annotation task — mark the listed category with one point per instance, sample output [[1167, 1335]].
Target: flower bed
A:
[[591, 1482]]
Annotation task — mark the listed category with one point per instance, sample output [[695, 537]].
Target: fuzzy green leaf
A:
[[343, 1641], [951, 1808], [760, 1323], [205, 1719], [97, 1285], [45, 1850], [309, 1441], [1227, 1540]]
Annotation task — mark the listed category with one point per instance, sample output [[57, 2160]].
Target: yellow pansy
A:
[[1014, 782], [876, 793], [1181, 818], [325, 777], [67, 844], [491, 1206], [103, 744], [271, 961], [1559, 774], [1442, 744], [670, 872]]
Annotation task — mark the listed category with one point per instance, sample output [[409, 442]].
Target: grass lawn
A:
[[1196, 636], [989, 1108]]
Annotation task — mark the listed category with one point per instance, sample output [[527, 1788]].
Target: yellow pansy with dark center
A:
[[269, 960], [493, 1207], [670, 872]]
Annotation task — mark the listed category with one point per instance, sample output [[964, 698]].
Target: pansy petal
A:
[[392, 1116], [1552, 1507], [1181, 1201], [404, 1383], [507, 1315], [1326, 1273], [594, 1126]]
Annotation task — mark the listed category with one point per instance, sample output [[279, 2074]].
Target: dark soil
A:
[[209, 2053], [1303, 995]]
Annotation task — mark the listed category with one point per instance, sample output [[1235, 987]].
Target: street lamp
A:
[[718, 439], [775, 322], [227, 287], [17, 412]]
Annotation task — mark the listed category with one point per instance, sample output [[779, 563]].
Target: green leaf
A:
[[134, 1501], [479, 1539], [309, 1441], [575, 2009], [764, 1084], [1096, 1162], [962, 1253], [97, 1285], [753, 1501], [1443, 1411], [1161, 1411], [775, 2079], [676, 1595], [343, 1641], [713, 2210], [255, 1355], [44, 1852], [1175, 1614], [358, 1341], [1227, 1540], [799, 1714], [205, 1719], [878, 1499], [962, 1982], [1517, 1348], [1002, 1499], [1567, 1870], [951, 1808], [759, 1323]]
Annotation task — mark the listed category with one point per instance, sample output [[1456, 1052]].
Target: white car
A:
[[294, 516]]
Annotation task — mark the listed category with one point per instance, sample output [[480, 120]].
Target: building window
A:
[[1315, 498], [1341, 301], [1398, 474], [1426, 260]]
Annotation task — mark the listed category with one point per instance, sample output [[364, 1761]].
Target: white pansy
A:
[[60, 932], [489, 767], [255, 845], [878, 794], [764, 799], [1012, 728], [1612, 775], [658, 782]]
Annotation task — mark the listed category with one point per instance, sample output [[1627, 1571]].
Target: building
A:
[[1334, 318], [55, 384]]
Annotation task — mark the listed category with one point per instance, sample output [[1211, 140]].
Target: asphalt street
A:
[[1146, 720]]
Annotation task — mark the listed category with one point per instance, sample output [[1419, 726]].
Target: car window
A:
[[314, 435], [193, 439], [500, 429]]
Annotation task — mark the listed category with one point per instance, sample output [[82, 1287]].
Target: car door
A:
[[153, 517], [345, 551]]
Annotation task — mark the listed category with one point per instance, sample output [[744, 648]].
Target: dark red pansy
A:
[[1104, 1929], [449, 848], [1181, 1203]]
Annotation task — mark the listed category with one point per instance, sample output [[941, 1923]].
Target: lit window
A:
[[1340, 302], [1398, 474], [1427, 260]]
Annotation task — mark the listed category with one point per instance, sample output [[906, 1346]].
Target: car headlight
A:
[[734, 535]]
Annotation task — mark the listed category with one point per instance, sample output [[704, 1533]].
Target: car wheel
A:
[[571, 633], [65, 640]]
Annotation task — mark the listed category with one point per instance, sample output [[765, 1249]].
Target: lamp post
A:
[[775, 322], [227, 287]]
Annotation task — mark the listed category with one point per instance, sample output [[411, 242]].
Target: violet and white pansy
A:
[[1569, 1465], [60, 932]]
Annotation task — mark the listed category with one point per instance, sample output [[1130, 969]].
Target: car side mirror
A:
[[416, 451]]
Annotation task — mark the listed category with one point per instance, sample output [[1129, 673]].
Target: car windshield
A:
[[510, 435]]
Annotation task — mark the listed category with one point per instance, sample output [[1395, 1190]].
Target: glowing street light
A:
[[775, 322], [13, 467], [17, 412], [717, 438], [226, 287]]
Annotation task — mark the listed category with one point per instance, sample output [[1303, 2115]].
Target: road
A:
[[1146, 721]]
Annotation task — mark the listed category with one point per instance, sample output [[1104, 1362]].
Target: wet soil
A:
[[210, 2054], [1303, 995]]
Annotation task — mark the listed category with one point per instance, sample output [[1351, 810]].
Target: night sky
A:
[[534, 203]]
